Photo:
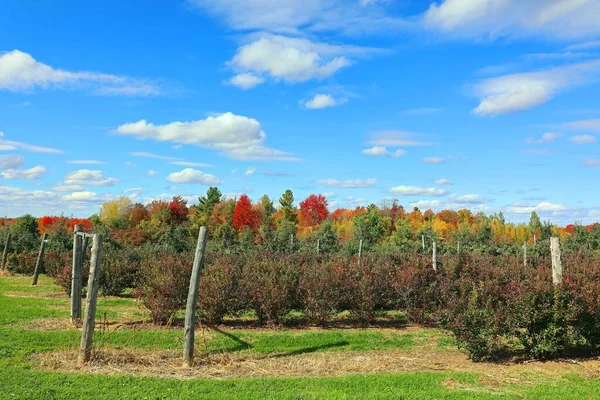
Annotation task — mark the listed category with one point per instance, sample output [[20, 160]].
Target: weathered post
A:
[[84, 247], [458, 248], [89, 322], [525, 254], [292, 241], [5, 253], [557, 273], [423, 241], [360, 245], [318, 246], [40, 260], [192, 300], [76, 272], [435, 256], [534, 240]]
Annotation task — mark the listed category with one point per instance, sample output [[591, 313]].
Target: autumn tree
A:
[[178, 210], [313, 210], [115, 213], [207, 203], [138, 214], [244, 215]]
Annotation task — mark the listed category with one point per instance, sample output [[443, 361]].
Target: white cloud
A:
[[583, 139], [517, 92], [11, 161], [246, 80], [351, 183], [85, 177], [189, 175], [235, 136], [86, 162], [546, 138], [81, 196], [129, 164], [289, 59], [250, 171], [324, 101], [442, 181], [152, 172], [592, 162], [29, 174], [561, 19], [145, 154], [191, 164], [382, 151], [417, 191], [584, 45], [12, 145], [584, 125], [432, 160], [542, 207], [291, 16], [468, 199], [396, 139], [20, 72]]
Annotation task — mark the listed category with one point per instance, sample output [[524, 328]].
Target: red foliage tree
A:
[[245, 215], [313, 210], [178, 209]]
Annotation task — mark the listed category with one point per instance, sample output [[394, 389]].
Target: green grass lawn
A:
[[33, 321]]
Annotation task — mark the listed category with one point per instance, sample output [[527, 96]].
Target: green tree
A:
[[207, 203], [25, 235], [535, 224], [288, 211]]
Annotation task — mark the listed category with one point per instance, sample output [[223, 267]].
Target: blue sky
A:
[[491, 105]]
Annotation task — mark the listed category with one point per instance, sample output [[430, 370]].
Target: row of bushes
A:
[[495, 306]]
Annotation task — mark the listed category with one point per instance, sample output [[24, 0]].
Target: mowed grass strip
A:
[[21, 379]]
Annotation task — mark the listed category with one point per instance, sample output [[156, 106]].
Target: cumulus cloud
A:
[[397, 138], [442, 181], [13, 145], [324, 101], [235, 136], [246, 80], [583, 139], [11, 161], [546, 138], [382, 151], [564, 19], [85, 177], [351, 183], [542, 207], [189, 175], [19, 72], [417, 191], [432, 160], [29, 174], [250, 171], [81, 196], [517, 92]]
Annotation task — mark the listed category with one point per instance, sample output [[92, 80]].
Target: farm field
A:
[[135, 359]]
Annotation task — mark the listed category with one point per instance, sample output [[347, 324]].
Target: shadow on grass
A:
[[309, 349]]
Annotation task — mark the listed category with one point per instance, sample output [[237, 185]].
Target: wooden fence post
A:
[[76, 272], [84, 247], [192, 300], [360, 246], [423, 241], [557, 273], [40, 260], [525, 254], [5, 253], [318, 246], [89, 322], [435, 256], [292, 241]]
